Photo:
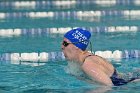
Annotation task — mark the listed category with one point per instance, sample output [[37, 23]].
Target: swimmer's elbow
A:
[[110, 85], [107, 81]]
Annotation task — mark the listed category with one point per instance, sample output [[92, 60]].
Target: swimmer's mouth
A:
[[66, 56]]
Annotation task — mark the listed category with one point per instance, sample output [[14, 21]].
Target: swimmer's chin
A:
[[68, 58]]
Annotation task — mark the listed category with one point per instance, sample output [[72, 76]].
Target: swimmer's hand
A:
[[136, 80]]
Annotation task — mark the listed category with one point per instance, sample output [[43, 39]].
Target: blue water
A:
[[51, 76], [52, 42], [34, 77]]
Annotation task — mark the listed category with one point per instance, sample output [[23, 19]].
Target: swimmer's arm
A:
[[96, 74]]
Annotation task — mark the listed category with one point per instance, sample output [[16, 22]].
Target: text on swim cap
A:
[[82, 38]]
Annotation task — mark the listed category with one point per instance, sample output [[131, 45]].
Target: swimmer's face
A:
[[67, 48]]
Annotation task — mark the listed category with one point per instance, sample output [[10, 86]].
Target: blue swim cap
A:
[[79, 37]]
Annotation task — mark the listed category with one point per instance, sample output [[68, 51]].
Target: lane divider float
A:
[[70, 14], [59, 56], [45, 31], [63, 4]]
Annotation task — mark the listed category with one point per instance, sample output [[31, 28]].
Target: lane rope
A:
[[45, 31], [55, 56], [62, 4], [70, 14]]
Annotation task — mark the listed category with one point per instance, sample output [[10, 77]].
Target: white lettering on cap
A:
[[82, 38]]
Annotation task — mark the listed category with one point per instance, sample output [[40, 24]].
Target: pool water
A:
[[51, 76]]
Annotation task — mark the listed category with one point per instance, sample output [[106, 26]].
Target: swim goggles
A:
[[65, 44]]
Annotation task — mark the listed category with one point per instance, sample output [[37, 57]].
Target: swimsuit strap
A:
[[87, 57]]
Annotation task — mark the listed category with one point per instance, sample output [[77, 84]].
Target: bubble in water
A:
[[73, 68]]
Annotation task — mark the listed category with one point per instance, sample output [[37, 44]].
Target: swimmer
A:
[[97, 68]]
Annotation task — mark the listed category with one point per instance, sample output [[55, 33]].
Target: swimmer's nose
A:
[[62, 47]]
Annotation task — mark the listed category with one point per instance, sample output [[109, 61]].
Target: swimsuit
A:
[[117, 81]]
